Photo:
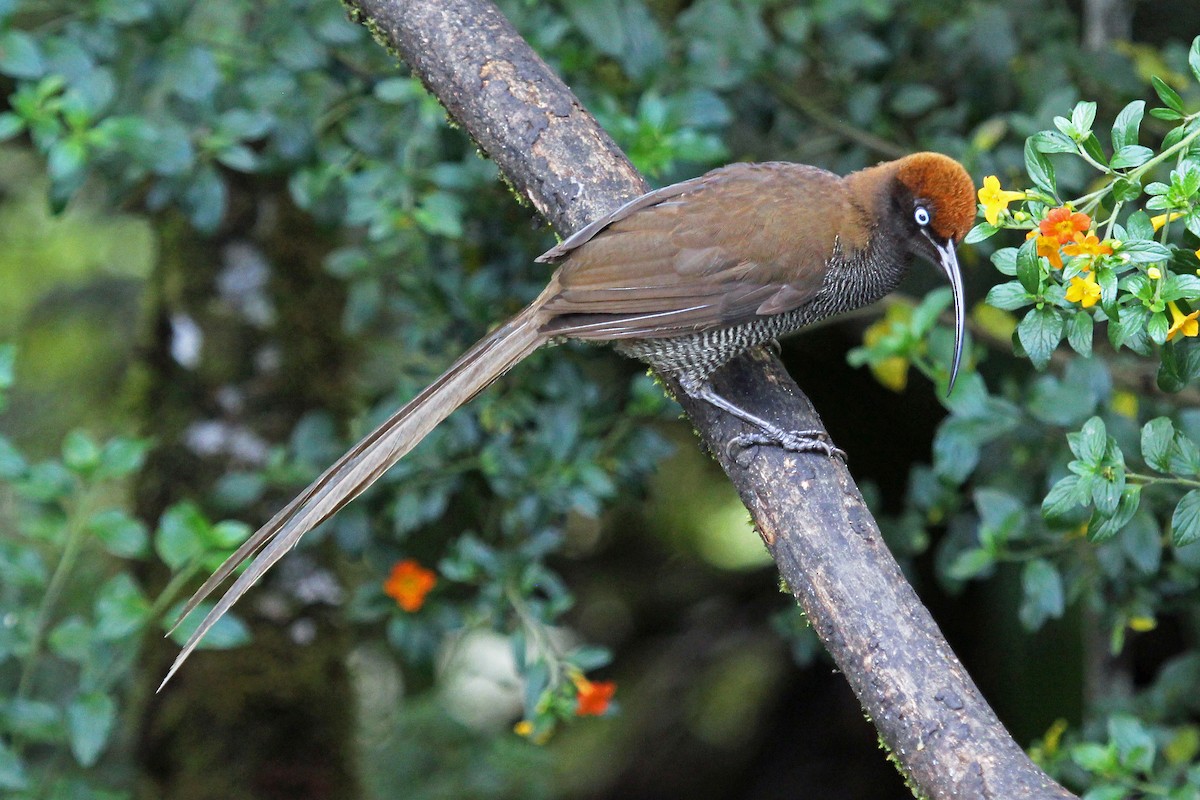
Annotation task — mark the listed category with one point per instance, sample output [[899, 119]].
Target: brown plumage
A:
[[684, 278]]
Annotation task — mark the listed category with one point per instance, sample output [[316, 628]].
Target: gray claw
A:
[[795, 441]]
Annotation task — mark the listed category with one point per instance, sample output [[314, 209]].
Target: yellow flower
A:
[[1162, 219], [523, 728], [1182, 323], [1125, 404], [1084, 290], [1154, 273], [994, 199]]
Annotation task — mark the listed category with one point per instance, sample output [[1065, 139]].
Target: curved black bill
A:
[[948, 261]]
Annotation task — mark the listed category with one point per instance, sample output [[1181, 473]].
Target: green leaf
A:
[[1029, 267], [970, 563], [1194, 58], [90, 722], [1180, 365], [1167, 114], [1083, 115], [12, 463], [1079, 333], [122, 456], [1130, 329], [1168, 95], [1095, 757], [1090, 443], [182, 535], [440, 214], [1157, 328], [1185, 522], [80, 452], [1142, 542], [1131, 155], [1157, 437], [1091, 146], [979, 233], [71, 639], [1138, 226], [1005, 261], [120, 534], [1141, 251], [1185, 458], [228, 632], [12, 770], [1039, 333], [35, 720], [1101, 528], [1010, 296], [1063, 498], [20, 56], [1040, 170], [1126, 191], [1043, 595], [121, 608], [46, 481], [1053, 142], [10, 125], [1001, 518], [1126, 125], [1134, 744], [228, 534]]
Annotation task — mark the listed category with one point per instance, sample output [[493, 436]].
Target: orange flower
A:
[[1047, 246], [593, 697], [1062, 224], [408, 584], [1088, 245], [1182, 323], [1084, 290]]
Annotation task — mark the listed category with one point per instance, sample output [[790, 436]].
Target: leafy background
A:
[[236, 236]]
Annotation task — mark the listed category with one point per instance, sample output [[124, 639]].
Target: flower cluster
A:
[[580, 697], [1099, 257]]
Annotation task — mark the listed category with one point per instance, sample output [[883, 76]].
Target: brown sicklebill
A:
[[684, 278]]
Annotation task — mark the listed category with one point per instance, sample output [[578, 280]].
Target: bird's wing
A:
[[740, 242]]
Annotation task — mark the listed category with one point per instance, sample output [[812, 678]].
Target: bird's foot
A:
[[773, 347], [813, 441]]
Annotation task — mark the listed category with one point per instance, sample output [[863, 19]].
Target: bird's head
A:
[[931, 206]]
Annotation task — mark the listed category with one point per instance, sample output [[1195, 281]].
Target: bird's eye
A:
[[921, 216]]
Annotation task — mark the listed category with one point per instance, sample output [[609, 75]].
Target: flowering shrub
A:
[[1105, 443]]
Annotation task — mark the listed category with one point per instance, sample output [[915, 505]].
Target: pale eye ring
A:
[[921, 216]]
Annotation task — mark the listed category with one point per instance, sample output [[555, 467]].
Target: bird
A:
[[683, 278]]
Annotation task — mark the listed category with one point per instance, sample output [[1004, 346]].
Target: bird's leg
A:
[[773, 347], [810, 441]]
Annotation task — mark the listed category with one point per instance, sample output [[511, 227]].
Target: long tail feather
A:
[[364, 463]]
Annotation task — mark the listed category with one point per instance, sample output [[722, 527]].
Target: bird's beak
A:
[[948, 261]]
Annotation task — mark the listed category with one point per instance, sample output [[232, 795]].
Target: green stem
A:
[[62, 571], [1150, 480], [538, 636], [1092, 199]]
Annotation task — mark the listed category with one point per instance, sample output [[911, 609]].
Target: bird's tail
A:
[[494, 355]]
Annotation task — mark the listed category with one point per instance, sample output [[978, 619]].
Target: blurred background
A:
[[235, 235]]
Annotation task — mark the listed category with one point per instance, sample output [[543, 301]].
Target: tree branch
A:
[[807, 508]]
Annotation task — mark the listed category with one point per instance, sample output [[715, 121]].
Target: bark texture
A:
[[808, 510]]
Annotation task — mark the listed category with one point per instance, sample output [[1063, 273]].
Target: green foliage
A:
[[76, 614], [198, 111]]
